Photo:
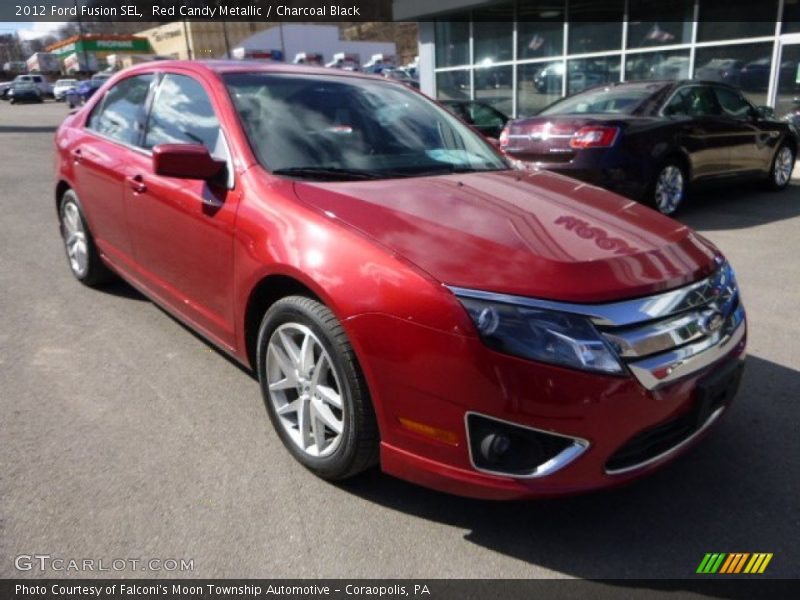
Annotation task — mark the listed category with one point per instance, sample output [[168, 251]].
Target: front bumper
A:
[[418, 374]]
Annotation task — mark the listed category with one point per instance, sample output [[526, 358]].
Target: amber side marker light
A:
[[441, 435]]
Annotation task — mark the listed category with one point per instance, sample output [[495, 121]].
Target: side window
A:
[[119, 115], [733, 104], [694, 101], [182, 114], [484, 116]]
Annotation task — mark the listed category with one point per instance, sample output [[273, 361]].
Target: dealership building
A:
[[520, 56]]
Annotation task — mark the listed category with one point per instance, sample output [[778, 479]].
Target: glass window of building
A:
[[452, 43], [538, 86], [788, 100], [657, 65], [588, 72], [659, 23], [540, 29], [493, 87], [452, 85], [595, 25], [791, 16], [754, 18], [493, 33], [746, 66]]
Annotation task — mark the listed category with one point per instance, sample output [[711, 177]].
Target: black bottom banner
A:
[[223, 589]]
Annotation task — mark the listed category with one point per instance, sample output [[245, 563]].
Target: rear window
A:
[[609, 100]]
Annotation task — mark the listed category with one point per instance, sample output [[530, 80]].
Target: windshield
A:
[[334, 127], [609, 100]]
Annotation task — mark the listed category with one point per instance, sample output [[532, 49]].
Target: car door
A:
[[753, 141], [702, 132], [182, 229], [99, 156]]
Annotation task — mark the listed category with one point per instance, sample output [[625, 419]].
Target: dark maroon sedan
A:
[[651, 140]]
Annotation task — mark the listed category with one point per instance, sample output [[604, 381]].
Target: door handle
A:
[[77, 156], [137, 184]]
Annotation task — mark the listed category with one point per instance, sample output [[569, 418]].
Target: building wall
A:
[[200, 39], [521, 56]]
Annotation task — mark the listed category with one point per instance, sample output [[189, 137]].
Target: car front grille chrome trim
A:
[[663, 337], [627, 312], [671, 451], [664, 368]]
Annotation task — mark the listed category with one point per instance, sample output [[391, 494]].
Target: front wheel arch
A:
[[62, 187]]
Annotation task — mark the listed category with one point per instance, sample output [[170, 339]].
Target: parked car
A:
[[4, 87], [652, 140], [581, 76], [88, 87], [40, 81], [402, 76], [61, 86], [724, 70], [486, 119], [24, 91], [404, 296]]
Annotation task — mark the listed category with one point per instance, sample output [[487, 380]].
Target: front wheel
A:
[[782, 166], [314, 390], [669, 188], [84, 260]]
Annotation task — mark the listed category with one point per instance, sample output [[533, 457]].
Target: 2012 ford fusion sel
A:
[[404, 295]]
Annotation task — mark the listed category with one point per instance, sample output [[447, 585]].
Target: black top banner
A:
[[194, 10], [389, 10]]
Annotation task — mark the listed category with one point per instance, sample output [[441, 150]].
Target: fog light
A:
[[494, 446], [500, 447]]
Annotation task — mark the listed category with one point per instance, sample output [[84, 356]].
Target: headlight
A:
[[548, 336]]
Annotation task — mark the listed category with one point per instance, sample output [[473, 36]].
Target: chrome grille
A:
[[681, 331]]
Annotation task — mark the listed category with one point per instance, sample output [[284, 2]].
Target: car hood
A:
[[533, 234]]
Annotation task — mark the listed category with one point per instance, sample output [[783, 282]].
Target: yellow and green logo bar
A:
[[735, 562]]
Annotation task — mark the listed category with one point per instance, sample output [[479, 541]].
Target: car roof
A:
[[248, 66], [655, 85]]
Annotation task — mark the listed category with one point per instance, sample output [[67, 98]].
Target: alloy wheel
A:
[[304, 390], [784, 164], [669, 189], [75, 239]]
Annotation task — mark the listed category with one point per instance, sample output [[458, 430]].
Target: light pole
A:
[[80, 38]]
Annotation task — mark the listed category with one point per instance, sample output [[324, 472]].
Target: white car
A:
[[61, 86], [44, 86]]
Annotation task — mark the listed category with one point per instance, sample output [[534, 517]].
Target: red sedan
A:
[[403, 294]]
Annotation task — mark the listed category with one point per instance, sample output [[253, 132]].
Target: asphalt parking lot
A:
[[123, 435]]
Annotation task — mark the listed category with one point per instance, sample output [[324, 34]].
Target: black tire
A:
[[357, 448], [673, 171], [96, 272], [774, 182]]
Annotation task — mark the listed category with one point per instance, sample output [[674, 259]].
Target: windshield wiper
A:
[[327, 173]]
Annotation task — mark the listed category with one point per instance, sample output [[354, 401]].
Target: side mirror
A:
[[186, 161], [765, 112]]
